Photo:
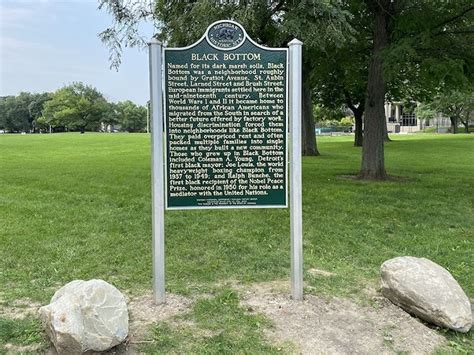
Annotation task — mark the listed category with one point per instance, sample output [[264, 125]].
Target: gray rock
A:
[[86, 315], [426, 290]]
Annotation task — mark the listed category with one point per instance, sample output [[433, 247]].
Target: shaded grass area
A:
[[78, 207]]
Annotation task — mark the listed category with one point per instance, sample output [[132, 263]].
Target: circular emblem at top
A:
[[225, 35]]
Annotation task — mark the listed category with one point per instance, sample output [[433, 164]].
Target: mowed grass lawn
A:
[[78, 207]]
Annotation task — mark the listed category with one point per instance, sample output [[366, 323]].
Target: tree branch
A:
[[273, 11], [454, 18], [467, 32], [349, 102]]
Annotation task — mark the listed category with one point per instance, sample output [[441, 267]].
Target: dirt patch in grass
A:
[[22, 349], [20, 309], [334, 325], [316, 325], [319, 272], [144, 312]]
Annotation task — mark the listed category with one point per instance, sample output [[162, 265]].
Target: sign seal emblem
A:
[[225, 35]]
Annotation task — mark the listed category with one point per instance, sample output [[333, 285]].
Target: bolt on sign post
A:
[[224, 113]]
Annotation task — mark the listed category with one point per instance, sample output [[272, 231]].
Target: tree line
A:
[[357, 53], [75, 107]]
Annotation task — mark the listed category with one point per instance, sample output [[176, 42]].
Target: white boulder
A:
[[426, 290], [86, 315]]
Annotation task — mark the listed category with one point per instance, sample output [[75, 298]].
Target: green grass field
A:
[[78, 207]]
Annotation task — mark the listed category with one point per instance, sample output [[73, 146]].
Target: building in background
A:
[[401, 118]]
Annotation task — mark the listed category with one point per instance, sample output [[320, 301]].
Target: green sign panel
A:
[[226, 122]]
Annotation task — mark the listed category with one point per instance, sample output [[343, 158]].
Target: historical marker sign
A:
[[226, 109], [225, 116]]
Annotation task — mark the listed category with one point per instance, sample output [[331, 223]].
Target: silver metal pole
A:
[[157, 176], [148, 117], [296, 217]]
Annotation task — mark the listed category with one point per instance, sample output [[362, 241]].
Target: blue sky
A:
[[46, 44]]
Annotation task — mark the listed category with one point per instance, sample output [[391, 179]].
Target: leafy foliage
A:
[[76, 106], [457, 105], [272, 23], [431, 48], [418, 48], [124, 32], [180, 23], [425, 112], [132, 117], [19, 113], [322, 113]]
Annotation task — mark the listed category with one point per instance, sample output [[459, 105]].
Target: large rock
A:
[[86, 315], [425, 289]]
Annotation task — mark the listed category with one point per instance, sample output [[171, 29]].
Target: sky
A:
[[46, 44]]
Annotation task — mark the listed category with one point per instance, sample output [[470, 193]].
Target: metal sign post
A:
[[157, 176], [295, 175]]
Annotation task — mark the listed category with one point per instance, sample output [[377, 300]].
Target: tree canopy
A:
[[19, 113], [76, 107], [132, 117], [457, 105], [318, 24], [356, 52], [73, 107]]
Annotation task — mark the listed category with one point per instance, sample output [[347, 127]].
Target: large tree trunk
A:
[[454, 125], [358, 137], [466, 125], [308, 142], [373, 160]]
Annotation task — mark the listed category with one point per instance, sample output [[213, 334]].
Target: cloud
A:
[[14, 16], [14, 51], [23, 14], [47, 57], [12, 44]]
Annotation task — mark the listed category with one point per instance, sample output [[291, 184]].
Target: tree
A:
[[2, 112], [422, 45], [457, 105], [342, 70], [18, 113], [36, 106], [131, 117], [271, 23], [373, 161], [342, 79], [14, 113], [76, 107], [425, 112], [111, 115]]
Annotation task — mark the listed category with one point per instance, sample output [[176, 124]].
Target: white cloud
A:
[[17, 52], [14, 17]]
